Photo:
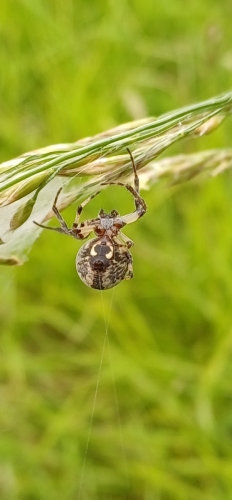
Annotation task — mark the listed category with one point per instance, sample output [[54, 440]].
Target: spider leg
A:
[[77, 231], [58, 214], [58, 229], [80, 208], [64, 228], [140, 205], [83, 230], [122, 240], [136, 177]]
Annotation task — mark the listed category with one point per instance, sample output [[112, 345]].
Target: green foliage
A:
[[30, 182], [162, 422]]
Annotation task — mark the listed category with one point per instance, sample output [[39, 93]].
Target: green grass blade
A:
[[28, 184]]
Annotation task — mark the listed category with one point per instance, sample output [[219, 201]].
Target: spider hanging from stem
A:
[[103, 262]]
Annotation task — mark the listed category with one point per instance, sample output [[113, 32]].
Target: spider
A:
[[103, 262]]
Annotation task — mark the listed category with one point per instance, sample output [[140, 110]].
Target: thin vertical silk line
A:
[[92, 415], [115, 391], [125, 465]]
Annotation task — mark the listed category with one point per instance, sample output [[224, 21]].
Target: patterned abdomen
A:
[[102, 264]]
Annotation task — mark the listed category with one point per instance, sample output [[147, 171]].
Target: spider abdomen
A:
[[102, 264]]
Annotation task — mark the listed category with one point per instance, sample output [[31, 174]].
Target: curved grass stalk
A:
[[28, 183]]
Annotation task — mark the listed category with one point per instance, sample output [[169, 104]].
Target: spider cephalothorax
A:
[[104, 261]]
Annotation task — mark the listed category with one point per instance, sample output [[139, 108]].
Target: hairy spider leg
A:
[[122, 240], [57, 229], [58, 214], [140, 205], [136, 177], [80, 208], [64, 228], [139, 202]]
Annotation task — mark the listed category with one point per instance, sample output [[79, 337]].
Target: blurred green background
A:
[[162, 423]]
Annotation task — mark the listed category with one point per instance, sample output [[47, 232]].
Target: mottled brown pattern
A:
[[98, 271]]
